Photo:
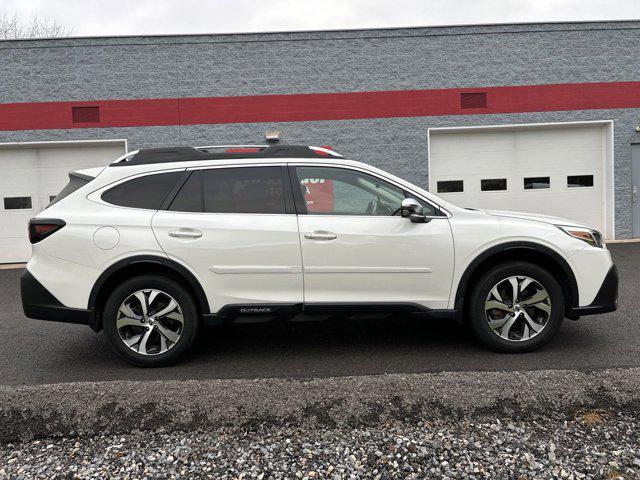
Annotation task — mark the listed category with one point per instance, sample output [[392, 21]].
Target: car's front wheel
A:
[[150, 320], [516, 307]]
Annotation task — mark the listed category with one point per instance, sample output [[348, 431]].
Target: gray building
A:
[[537, 117]]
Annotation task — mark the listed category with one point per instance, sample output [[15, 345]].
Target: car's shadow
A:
[[336, 347], [337, 333], [347, 346]]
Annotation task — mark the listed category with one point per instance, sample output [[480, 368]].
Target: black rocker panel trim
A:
[[505, 247], [229, 313], [606, 299], [260, 309], [180, 270], [40, 304], [353, 308]]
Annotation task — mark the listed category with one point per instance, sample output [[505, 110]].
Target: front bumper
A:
[[39, 303], [606, 299]]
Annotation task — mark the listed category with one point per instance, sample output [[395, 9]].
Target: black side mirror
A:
[[412, 210]]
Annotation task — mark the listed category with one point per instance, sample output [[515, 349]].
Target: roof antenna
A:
[[272, 137]]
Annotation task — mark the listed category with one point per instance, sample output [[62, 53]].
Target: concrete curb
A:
[[118, 407]]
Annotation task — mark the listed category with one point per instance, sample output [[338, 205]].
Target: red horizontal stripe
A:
[[321, 106]]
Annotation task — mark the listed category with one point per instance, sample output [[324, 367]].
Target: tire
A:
[[521, 326], [168, 335]]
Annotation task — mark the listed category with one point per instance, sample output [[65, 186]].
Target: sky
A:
[[133, 17]]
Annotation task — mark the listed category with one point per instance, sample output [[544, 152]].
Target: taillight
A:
[[41, 228]]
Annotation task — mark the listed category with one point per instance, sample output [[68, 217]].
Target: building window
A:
[[450, 186], [473, 100], [493, 184], [85, 114], [535, 183], [17, 203], [580, 181]]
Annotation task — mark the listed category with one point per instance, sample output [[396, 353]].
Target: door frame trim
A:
[[608, 156]]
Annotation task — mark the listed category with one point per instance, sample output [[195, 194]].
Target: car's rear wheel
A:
[[516, 307], [150, 320]]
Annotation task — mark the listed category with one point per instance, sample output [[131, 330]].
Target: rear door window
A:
[[233, 190], [143, 192]]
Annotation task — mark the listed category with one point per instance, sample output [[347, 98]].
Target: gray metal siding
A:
[[152, 67], [307, 62]]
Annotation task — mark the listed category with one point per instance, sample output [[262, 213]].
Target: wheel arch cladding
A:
[[142, 265], [519, 251]]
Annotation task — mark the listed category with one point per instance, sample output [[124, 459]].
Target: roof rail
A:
[[184, 154], [124, 157], [209, 147], [326, 150]]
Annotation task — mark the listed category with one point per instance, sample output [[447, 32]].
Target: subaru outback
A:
[[163, 241]]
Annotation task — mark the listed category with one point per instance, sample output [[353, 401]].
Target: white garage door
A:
[[559, 170], [31, 175]]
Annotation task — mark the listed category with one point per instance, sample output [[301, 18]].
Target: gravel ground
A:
[[591, 445]]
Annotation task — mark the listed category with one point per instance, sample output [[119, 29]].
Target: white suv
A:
[[164, 240]]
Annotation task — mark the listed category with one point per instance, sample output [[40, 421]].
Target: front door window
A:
[[338, 191]]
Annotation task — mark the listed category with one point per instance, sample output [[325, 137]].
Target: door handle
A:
[[320, 236], [635, 194], [185, 233]]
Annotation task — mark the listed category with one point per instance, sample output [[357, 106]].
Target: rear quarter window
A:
[[143, 192]]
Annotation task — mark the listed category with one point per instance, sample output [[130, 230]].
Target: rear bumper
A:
[[39, 303], [606, 299]]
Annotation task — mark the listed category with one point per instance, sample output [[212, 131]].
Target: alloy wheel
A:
[[517, 308], [150, 322]]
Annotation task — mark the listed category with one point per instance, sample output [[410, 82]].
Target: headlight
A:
[[592, 237]]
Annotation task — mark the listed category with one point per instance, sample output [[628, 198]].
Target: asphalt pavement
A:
[[36, 352]]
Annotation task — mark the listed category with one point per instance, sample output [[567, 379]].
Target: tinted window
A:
[[189, 198], [450, 186], [339, 191], [533, 183], [232, 190], [493, 184], [143, 192], [17, 203], [580, 181]]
